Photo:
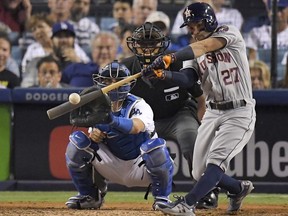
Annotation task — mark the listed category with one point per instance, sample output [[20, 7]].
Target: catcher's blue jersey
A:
[[124, 146]]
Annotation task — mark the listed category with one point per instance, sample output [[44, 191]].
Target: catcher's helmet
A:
[[147, 42], [111, 73], [200, 11]]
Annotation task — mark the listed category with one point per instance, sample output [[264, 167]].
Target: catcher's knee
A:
[[79, 152], [160, 166]]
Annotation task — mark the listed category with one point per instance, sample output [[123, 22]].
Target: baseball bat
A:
[[67, 107]]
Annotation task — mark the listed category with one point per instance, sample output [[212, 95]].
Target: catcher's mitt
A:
[[94, 112]]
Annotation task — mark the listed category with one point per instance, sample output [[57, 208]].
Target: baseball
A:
[[74, 98]]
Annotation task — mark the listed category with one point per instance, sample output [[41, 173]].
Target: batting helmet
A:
[[147, 43], [111, 73], [200, 11]]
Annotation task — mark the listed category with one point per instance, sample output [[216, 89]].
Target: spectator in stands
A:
[[104, 50], [60, 10], [142, 9], [260, 75], [64, 45], [41, 27], [85, 28], [254, 12], [13, 14], [122, 13], [259, 39], [122, 10], [161, 20], [123, 50], [49, 73], [7, 78], [226, 15], [65, 50]]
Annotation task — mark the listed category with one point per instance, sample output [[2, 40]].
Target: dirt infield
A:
[[123, 209]]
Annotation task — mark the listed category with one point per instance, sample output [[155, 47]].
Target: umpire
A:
[[177, 110]]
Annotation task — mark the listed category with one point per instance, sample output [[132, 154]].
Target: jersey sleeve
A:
[[230, 33], [144, 112]]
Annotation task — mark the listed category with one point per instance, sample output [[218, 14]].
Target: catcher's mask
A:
[[147, 43], [200, 11], [112, 73]]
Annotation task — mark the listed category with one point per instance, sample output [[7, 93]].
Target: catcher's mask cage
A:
[[147, 43], [200, 11], [112, 73]]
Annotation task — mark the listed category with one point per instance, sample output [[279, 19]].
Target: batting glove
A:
[[150, 73], [163, 62]]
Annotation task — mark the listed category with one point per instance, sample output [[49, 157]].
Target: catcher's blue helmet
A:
[[200, 11], [114, 72]]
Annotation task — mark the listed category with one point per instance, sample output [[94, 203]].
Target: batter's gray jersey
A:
[[225, 73], [225, 78]]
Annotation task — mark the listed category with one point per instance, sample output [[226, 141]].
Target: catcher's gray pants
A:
[[182, 129]]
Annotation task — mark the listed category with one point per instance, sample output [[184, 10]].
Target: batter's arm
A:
[[201, 108], [208, 45]]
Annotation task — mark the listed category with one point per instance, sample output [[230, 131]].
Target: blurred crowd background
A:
[[61, 43]]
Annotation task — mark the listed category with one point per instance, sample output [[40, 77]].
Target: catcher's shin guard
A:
[[160, 166], [79, 154]]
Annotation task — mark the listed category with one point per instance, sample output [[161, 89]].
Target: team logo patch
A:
[[187, 12], [223, 28], [172, 97]]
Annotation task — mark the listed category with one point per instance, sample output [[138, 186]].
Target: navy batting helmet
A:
[[114, 72], [200, 11]]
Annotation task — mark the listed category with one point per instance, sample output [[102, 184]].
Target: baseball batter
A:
[[122, 146], [219, 60]]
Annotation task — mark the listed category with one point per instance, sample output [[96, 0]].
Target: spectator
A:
[[142, 9], [123, 50], [41, 27], [227, 16], [258, 40], [64, 46], [161, 20], [122, 10], [254, 13], [60, 10], [14, 13], [104, 50], [122, 13], [65, 50], [7, 78], [49, 74], [260, 75], [85, 29], [13, 66]]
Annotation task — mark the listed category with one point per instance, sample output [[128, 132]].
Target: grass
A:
[[16, 196]]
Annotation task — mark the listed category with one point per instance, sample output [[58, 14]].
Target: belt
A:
[[227, 105]]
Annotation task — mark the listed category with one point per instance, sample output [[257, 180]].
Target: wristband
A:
[[184, 54], [124, 125]]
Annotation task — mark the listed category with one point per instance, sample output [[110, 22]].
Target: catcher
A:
[[122, 146]]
